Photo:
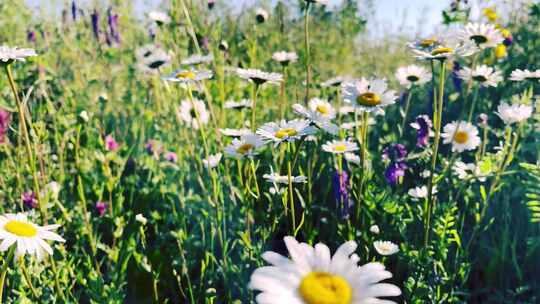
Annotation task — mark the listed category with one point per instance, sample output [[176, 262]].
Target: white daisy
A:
[[244, 103], [188, 76], [412, 75], [420, 192], [10, 54], [235, 132], [374, 229], [159, 17], [188, 111], [385, 247], [28, 237], [212, 161], [463, 170], [150, 58], [352, 158], [285, 57], [483, 35], [312, 275], [340, 146], [514, 113], [285, 130], [261, 15], [336, 81], [441, 48], [284, 179], [319, 112], [259, 77], [484, 75], [368, 95], [246, 146], [197, 59], [141, 219], [462, 135], [521, 75]]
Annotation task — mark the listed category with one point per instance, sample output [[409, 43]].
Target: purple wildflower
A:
[[395, 172], [5, 119], [31, 36], [112, 20], [101, 208], [508, 41], [29, 199], [153, 148], [111, 144], [394, 153], [171, 157], [73, 10], [423, 126], [95, 23], [341, 187]]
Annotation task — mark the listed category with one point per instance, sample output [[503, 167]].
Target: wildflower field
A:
[[278, 153]]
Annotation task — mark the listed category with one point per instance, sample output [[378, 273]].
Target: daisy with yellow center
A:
[[340, 146], [441, 49], [368, 95], [483, 35], [411, 75], [462, 135], [320, 113], [29, 238], [151, 58], [285, 130], [188, 76], [245, 146], [313, 276]]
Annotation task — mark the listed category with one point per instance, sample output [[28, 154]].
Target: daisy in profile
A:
[[17, 230], [340, 146], [159, 18], [441, 48], [284, 179], [150, 58], [521, 75], [463, 170], [244, 103], [10, 54], [483, 35], [385, 247], [411, 75], [212, 161], [259, 77], [188, 76], [484, 75], [246, 146], [188, 112], [514, 113], [336, 81], [197, 59], [352, 158], [368, 95], [312, 276], [319, 112], [462, 135], [420, 192], [289, 131], [284, 58], [235, 132]]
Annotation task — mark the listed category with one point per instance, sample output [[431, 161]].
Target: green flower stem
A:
[[282, 96], [363, 139], [4, 270], [190, 27], [199, 123], [291, 196], [473, 105], [27, 142], [406, 113], [254, 107], [27, 278], [306, 45], [437, 119]]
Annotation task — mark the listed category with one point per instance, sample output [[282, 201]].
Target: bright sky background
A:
[[391, 16]]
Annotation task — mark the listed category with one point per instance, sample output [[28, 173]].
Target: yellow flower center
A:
[[413, 78], [368, 99], [287, 132], [245, 148], [340, 148], [490, 14], [500, 51], [441, 51], [428, 42], [186, 74], [323, 109], [479, 39], [20, 228], [325, 288], [461, 137]]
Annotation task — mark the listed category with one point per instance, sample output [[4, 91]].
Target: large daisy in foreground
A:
[[368, 95], [313, 276], [17, 230]]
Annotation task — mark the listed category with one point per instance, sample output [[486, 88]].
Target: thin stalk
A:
[[363, 158], [473, 105], [406, 113], [4, 270], [291, 196], [437, 118], [254, 107], [27, 278]]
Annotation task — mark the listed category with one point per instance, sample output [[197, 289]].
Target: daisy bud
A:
[[141, 219], [374, 229], [84, 117], [223, 46], [482, 119]]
